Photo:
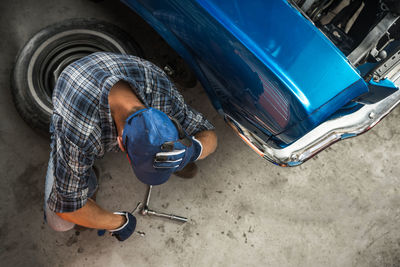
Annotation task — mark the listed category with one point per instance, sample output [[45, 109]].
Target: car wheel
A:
[[47, 53]]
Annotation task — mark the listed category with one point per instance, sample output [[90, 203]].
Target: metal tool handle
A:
[[168, 216], [148, 194], [146, 211]]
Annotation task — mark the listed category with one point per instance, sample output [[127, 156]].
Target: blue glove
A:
[[126, 230], [177, 155]]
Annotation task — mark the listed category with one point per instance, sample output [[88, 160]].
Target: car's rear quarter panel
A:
[[264, 63]]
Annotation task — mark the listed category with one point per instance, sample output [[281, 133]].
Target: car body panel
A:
[[261, 62]]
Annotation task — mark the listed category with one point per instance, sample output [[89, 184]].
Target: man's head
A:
[[144, 134]]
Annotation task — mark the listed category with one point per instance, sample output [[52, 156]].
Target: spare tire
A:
[[48, 52]]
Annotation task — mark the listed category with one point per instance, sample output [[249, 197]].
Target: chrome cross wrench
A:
[[145, 210]]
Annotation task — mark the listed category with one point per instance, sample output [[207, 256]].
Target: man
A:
[[106, 101]]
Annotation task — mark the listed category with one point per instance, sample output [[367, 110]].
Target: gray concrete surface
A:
[[339, 209]]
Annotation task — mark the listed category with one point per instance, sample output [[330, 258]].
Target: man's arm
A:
[[192, 121], [208, 140], [93, 216]]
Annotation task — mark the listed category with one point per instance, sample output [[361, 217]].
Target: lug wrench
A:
[[146, 211]]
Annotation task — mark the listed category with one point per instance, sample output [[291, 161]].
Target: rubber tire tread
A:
[[37, 118]]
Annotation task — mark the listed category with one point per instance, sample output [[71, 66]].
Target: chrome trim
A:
[[323, 135]]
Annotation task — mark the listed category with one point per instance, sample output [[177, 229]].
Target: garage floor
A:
[[339, 209]]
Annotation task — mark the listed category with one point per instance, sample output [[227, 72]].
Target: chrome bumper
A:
[[323, 135]]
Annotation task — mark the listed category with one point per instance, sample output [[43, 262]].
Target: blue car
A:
[[290, 76]]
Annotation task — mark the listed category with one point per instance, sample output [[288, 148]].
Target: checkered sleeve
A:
[[71, 171], [190, 119]]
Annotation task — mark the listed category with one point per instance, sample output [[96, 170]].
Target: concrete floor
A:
[[339, 209]]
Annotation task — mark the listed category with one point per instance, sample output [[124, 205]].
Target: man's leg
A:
[[52, 219], [93, 183]]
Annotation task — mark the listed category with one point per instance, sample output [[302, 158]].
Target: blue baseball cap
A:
[[145, 131]]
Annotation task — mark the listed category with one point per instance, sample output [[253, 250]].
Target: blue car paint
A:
[[384, 83], [261, 62]]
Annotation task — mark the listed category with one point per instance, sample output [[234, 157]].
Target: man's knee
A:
[[56, 223]]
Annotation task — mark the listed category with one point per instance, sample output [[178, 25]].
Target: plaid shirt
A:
[[82, 128]]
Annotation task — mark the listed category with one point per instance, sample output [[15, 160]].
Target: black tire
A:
[[48, 52]]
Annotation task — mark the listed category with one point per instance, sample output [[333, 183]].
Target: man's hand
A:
[[125, 231], [176, 155]]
